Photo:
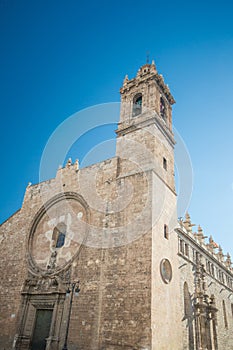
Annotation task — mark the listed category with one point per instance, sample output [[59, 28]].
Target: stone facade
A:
[[217, 282], [145, 280]]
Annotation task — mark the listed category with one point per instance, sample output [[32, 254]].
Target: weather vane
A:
[[147, 56]]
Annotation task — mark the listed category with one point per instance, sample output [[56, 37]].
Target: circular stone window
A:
[[166, 271]]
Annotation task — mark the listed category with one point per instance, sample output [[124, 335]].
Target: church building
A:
[[96, 258]]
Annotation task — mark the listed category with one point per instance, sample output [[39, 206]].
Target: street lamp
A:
[[72, 288]]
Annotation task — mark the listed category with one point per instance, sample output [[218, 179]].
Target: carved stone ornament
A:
[[45, 283]]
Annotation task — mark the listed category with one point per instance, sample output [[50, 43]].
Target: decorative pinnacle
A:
[[153, 67], [187, 218], [212, 244], [76, 164], [126, 80], [200, 231], [180, 220], [69, 163], [187, 223], [200, 235], [220, 254], [228, 260]]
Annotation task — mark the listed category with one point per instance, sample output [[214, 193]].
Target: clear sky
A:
[[58, 57]]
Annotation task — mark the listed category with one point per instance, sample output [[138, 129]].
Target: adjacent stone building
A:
[[109, 232]]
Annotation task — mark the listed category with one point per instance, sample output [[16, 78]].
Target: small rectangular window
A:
[[232, 310], [165, 231], [208, 266], [181, 246], [194, 255], [212, 270], [186, 249], [165, 163]]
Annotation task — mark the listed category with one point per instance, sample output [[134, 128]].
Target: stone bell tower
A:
[[145, 138], [146, 118]]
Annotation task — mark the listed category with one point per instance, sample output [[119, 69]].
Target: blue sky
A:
[[58, 57]]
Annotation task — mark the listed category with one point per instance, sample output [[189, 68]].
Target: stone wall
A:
[[112, 263]]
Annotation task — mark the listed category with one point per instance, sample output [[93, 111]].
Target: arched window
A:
[[162, 108], [137, 105], [59, 235]]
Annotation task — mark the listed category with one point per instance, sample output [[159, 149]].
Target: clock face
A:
[[57, 234]]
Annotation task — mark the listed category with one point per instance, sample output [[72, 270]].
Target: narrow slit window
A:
[[165, 231], [165, 163]]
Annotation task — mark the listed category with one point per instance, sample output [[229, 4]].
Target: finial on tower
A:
[[153, 67], [76, 165], [126, 80], [69, 163]]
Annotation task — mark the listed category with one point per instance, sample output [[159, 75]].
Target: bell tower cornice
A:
[[145, 121]]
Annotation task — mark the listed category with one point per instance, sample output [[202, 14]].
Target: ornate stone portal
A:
[[49, 271], [40, 293]]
